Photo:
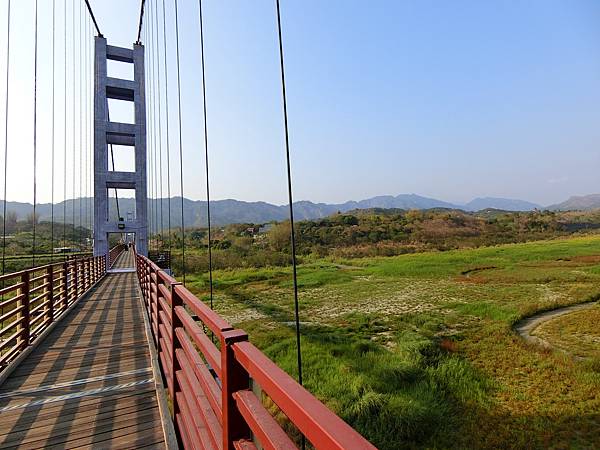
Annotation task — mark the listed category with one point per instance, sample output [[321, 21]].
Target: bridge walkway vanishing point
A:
[[125, 261], [90, 382]]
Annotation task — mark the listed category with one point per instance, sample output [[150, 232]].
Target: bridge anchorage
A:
[[112, 351]]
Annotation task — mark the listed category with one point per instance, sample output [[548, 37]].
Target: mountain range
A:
[[236, 211]]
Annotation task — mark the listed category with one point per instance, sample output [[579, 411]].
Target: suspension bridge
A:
[[110, 350]]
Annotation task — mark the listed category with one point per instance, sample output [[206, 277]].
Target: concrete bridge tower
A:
[[127, 134]]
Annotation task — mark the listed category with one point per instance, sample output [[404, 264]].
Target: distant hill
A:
[[505, 204], [236, 211], [578, 203], [402, 201]]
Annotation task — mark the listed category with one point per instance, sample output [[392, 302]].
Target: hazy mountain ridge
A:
[[505, 204], [237, 211], [578, 202]]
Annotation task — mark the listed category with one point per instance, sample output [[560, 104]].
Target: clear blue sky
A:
[[446, 99]]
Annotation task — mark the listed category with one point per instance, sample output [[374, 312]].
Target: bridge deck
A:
[[90, 382], [125, 260]]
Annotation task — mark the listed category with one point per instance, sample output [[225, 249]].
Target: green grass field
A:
[[418, 351]]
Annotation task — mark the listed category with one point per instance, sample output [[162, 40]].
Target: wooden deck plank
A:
[[89, 384], [73, 409], [124, 260]]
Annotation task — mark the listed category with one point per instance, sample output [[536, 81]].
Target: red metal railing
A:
[[114, 253], [30, 300], [213, 405]]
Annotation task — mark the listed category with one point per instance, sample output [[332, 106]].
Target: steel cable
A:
[[290, 199], [6, 139], [210, 268], [65, 133], [180, 143], [35, 68], [160, 189], [53, 131], [167, 128]]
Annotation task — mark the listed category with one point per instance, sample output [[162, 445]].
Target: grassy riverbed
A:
[[418, 351]]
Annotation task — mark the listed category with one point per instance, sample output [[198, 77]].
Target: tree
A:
[[11, 221], [279, 236], [32, 218]]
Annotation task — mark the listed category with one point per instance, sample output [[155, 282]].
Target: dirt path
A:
[[526, 326]]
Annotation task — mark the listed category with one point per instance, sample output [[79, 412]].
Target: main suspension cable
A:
[[290, 198], [139, 35], [87, 3], [180, 143], [210, 268], [35, 67], [6, 138]]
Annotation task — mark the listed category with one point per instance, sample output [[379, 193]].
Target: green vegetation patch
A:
[[417, 350]]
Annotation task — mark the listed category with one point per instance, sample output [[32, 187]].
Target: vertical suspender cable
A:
[[35, 51], [150, 135], [155, 165], [167, 126], [157, 63], [210, 269], [52, 149], [90, 83], [65, 132], [180, 143], [153, 128], [86, 109], [80, 65], [73, 124], [6, 138], [290, 199]]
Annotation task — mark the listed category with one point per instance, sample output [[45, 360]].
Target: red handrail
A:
[[32, 299], [213, 405], [114, 253]]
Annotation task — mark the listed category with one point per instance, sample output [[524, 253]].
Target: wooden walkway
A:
[[90, 382], [125, 260]]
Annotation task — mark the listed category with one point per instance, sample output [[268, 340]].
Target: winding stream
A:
[[526, 326]]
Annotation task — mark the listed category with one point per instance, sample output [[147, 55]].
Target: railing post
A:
[[146, 286], [75, 279], [86, 274], [83, 277], [233, 378], [25, 303], [159, 282], [65, 282], [50, 289], [153, 311], [176, 301]]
